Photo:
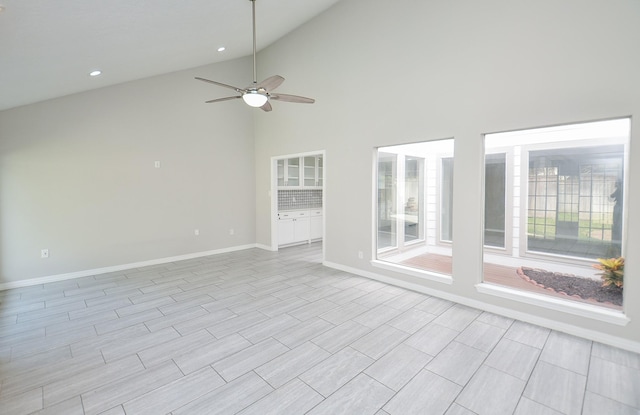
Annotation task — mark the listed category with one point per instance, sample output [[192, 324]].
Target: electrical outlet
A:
[[156, 164], [196, 232], [44, 253], [360, 255], [231, 231]]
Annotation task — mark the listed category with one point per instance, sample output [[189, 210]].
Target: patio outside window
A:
[[414, 206], [553, 206]]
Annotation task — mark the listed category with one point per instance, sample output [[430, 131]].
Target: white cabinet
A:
[[299, 226], [315, 228], [301, 229], [293, 227], [286, 231], [300, 172]]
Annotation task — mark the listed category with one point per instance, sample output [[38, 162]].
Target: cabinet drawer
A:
[[293, 214], [316, 212]]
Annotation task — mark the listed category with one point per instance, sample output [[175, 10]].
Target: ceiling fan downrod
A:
[[253, 12]]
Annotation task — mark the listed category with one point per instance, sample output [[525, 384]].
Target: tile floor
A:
[[257, 332]]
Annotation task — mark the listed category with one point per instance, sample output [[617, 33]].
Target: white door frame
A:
[[274, 194]]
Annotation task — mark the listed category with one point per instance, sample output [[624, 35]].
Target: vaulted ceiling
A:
[[48, 48]]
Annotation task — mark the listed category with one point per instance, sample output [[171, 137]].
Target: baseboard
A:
[[97, 271], [267, 247], [597, 336]]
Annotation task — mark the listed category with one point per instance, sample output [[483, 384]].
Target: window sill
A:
[[414, 272], [558, 304]]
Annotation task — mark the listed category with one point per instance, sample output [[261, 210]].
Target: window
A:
[[415, 206], [572, 202], [495, 199], [413, 197], [387, 237], [557, 209]]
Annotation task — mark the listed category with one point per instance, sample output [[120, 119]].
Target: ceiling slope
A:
[[47, 49]]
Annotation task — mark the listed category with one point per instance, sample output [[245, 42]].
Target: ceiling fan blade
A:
[[292, 98], [271, 83], [266, 107], [222, 99], [220, 84]]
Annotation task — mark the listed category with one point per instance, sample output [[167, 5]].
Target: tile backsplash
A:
[[299, 199]]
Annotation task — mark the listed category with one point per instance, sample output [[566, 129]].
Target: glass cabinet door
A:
[[309, 167], [280, 172], [319, 171], [293, 172], [300, 172]]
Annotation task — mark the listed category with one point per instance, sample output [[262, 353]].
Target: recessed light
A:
[[95, 73], [221, 49]]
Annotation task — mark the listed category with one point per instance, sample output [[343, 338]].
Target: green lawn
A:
[[546, 228]]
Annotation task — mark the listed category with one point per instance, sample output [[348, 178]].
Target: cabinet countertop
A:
[[299, 210]]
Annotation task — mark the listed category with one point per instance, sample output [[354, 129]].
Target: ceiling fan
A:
[[258, 94]]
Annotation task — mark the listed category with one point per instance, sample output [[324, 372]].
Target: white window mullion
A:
[[400, 165]]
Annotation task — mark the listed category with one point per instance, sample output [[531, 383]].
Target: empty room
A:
[[319, 207]]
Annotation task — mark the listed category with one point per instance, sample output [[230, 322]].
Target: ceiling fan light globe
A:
[[255, 99]]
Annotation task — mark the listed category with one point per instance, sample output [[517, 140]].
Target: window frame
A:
[[508, 203], [583, 136], [393, 158], [422, 199], [524, 251], [422, 273]]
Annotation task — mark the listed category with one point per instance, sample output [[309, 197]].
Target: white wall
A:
[[77, 175], [386, 73]]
